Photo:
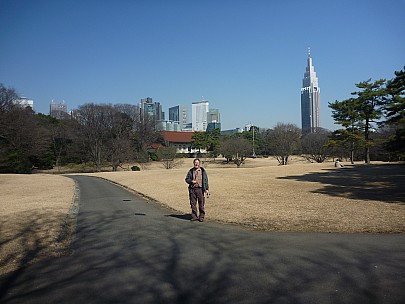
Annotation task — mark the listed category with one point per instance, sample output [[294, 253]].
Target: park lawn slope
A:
[[301, 197], [33, 214]]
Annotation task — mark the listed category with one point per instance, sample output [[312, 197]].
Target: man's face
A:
[[196, 164]]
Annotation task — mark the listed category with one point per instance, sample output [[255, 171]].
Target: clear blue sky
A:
[[247, 58]]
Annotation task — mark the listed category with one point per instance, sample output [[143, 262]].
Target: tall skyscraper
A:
[[179, 114], [213, 119], [213, 115], [153, 109], [199, 115], [310, 99]]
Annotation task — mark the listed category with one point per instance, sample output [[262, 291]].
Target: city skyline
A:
[[246, 58], [178, 118]]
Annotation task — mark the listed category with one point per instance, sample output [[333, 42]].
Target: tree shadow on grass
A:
[[29, 238], [33, 236], [385, 183]]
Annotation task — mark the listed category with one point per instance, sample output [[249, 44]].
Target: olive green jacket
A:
[[189, 179]]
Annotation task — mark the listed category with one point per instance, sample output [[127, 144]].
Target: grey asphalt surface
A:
[[128, 250]]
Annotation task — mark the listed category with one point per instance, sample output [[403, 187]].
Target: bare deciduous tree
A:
[[167, 155], [95, 121], [235, 149], [7, 96], [283, 141], [315, 145], [120, 141], [144, 135]]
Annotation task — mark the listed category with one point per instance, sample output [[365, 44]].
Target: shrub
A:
[[135, 168], [153, 156]]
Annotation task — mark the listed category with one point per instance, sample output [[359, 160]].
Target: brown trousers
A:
[[196, 194]]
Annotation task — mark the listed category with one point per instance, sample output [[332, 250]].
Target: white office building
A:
[[199, 111], [24, 102], [58, 110]]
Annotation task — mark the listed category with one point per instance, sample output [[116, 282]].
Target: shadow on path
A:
[[186, 217]]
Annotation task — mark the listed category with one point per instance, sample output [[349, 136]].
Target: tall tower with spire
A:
[[310, 99]]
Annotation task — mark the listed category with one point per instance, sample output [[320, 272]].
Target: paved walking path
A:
[[127, 250]]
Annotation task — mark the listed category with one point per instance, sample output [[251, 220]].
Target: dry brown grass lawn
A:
[[259, 195], [298, 197], [33, 211]]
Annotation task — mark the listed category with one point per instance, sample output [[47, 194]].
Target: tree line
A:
[[374, 118], [372, 126], [94, 134]]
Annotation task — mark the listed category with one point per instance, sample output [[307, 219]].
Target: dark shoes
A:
[[196, 219]]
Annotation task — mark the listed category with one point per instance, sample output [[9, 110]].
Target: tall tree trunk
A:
[[367, 147], [352, 153]]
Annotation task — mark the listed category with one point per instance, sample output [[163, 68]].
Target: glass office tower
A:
[[310, 99]]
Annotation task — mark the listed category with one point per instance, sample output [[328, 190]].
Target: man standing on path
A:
[[197, 181]]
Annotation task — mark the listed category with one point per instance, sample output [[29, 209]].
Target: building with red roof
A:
[[181, 140]]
